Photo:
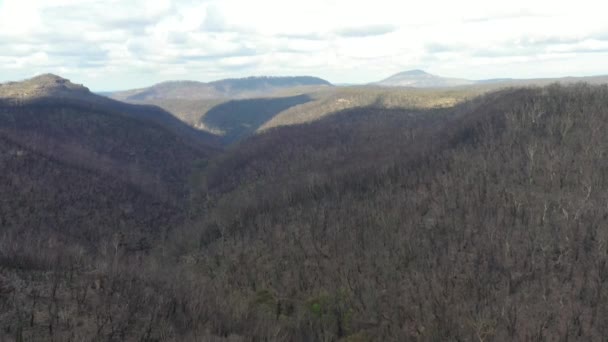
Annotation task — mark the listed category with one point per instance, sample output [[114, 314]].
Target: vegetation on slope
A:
[[479, 222], [327, 102], [77, 169], [482, 222], [235, 120]]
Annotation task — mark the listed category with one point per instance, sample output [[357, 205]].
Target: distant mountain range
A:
[[228, 88], [229, 110], [422, 79]]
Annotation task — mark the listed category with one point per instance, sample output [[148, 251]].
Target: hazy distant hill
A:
[[601, 79], [228, 88], [422, 79]]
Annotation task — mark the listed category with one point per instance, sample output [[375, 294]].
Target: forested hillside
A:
[[482, 221], [78, 171], [238, 119]]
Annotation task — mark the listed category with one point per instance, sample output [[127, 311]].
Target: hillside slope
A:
[[82, 166], [238, 119], [481, 221]]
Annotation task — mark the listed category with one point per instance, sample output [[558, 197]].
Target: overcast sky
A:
[[110, 45]]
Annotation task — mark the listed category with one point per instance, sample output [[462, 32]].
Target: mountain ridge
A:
[[254, 86], [417, 78]]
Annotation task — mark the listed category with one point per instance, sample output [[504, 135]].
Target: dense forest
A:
[[480, 221]]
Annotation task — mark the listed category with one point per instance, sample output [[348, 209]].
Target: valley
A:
[[317, 171], [192, 101], [311, 212]]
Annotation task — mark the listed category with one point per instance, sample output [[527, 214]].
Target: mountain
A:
[[79, 166], [232, 120], [326, 102], [480, 220], [228, 88], [47, 85], [511, 82], [402, 225], [422, 79]]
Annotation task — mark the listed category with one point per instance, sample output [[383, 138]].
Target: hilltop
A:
[[422, 79], [47, 85]]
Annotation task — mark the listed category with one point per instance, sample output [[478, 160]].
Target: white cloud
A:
[[116, 44]]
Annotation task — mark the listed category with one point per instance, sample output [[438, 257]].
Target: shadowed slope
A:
[[379, 224], [85, 166], [240, 118]]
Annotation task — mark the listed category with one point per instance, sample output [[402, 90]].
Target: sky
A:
[[123, 44]]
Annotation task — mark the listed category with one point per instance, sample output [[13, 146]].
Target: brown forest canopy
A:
[[482, 221]]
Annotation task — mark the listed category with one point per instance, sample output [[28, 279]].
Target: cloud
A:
[[303, 36], [214, 20], [507, 15], [239, 52], [366, 31], [116, 44], [441, 47]]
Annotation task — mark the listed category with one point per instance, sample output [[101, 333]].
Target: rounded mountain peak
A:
[[49, 78], [415, 72], [43, 85]]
